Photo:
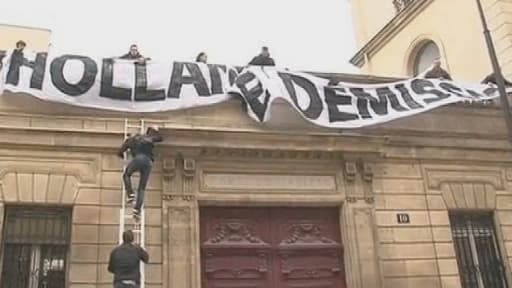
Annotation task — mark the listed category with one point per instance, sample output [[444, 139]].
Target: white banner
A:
[[125, 85]]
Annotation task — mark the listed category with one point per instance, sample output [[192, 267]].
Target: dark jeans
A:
[[142, 164], [121, 285]]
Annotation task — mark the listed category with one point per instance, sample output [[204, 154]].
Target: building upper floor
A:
[[37, 39], [481, 122], [402, 37]]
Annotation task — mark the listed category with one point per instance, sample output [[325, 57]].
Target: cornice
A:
[[26, 27], [396, 24], [269, 154]]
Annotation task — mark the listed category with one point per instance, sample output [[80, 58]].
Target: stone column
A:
[[181, 219], [358, 226]]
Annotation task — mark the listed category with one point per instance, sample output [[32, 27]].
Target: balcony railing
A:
[[401, 4]]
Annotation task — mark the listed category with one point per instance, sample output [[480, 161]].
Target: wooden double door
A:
[[271, 248]]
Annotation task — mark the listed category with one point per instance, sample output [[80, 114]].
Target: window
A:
[[478, 256], [36, 243], [426, 54]]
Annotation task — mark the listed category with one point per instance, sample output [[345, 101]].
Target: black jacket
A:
[[438, 73], [140, 144], [17, 60], [130, 56], [261, 60], [125, 260]]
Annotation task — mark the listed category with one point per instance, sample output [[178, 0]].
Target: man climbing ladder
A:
[[141, 149]]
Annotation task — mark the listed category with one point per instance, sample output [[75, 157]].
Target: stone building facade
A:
[[235, 203], [391, 36], [37, 39], [425, 167]]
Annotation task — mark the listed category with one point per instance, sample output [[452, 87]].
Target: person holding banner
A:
[[20, 45], [202, 58], [17, 60], [141, 149], [263, 59], [134, 54], [437, 72], [491, 78]]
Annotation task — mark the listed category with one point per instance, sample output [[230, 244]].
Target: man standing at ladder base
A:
[[141, 149], [124, 262]]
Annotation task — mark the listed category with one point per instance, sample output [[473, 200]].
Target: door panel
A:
[[307, 247], [238, 268], [271, 248], [309, 268], [235, 248]]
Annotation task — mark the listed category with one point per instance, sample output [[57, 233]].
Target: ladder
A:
[[126, 219]]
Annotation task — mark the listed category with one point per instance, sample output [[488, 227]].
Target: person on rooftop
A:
[[17, 60], [263, 59], [491, 78], [202, 58], [437, 72], [20, 45], [134, 54]]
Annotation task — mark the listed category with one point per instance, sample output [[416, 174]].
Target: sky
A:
[[307, 35]]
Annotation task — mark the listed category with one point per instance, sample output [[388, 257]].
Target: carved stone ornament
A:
[[351, 199], [367, 172], [306, 233], [169, 168], [369, 199], [189, 167], [350, 171], [234, 232], [184, 197]]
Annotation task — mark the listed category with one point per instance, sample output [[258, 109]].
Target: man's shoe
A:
[[130, 198]]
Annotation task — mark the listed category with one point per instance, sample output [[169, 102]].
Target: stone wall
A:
[[421, 253], [184, 178], [90, 183], [448, 159], [391, 49]]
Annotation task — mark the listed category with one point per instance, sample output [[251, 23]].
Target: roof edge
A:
[[27, 27], [385, 34]]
